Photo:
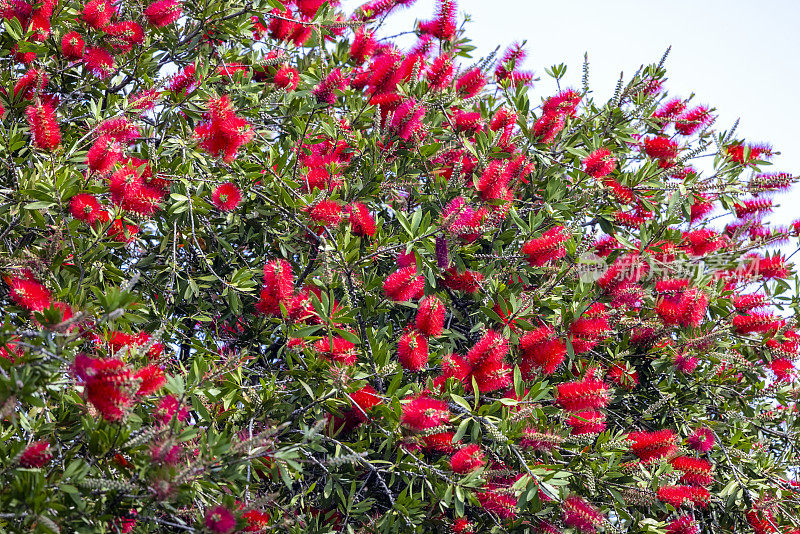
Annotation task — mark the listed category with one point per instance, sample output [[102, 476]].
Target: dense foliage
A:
[[266, 270]]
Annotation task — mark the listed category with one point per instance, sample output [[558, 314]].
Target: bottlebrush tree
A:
[[267, 269]]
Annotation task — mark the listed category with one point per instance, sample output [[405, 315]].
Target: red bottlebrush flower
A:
[[220, 520], [98, 61], [319, 178], [661, 148], [756, 322], [693, 120], [703, 242], [183, 81], [464, 220], [36, 455], [470, 83], [337, 350], [443, 26], [439, 442], [120, 129], [98, 13], [309, 8], [770, 267], [737, 153], [468, 123], [590, 329], [143, 100], [683, 525], [169, 407], [29, 294], [783, 368], [32, 82], [430, 316], [547, 127], [585, 394], [546, 248], [502, 504], [363, 46], [422, 413], [364, 400], [587, 422], [503, 119], [468, 281], [685, 363], [748, 302], [257, 521], [752, 207], [669, 111], [286, 77], [152, 378], [121, 231], [650, 446], [580, 515], [695, 471], [225, 132], [692, 307], [494, 182], [621, 375], [761, 520], [324, 92], [702, 206], [599, 163], [467, 459], [326, 213], [462, 526], [361, 221], [564, 103], [407, 119], [279, 279], [539, 350], [226, 197], [404, 284], [440, 72], [108, 384], [43, 126], [84, 207], [125, 35], [165, 453], [412, 351], [384, 72], [689, 496], [163, 12]]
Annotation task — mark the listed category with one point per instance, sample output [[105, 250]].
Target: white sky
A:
[[738, 56]]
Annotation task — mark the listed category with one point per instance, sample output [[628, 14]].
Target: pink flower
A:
[[220, 520], [226, 197]]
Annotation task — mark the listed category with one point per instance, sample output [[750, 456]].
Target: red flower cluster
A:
[[484, 362], [111, 386], [694, 471], [226, 197], [599, 163], [683, 525], [220, 520], [36, 454], [652, 446], [423, 413], [163, 12], [547, 248], [29, 294], [586, 394], [325, 91], [663, 149], [404, 285], [590, 329], [554, 113], [43, 126], [224, 132], [540, 351], [443, 25], [684, 307], [467, 459], [430, 316], [689, 496], [580, 515]]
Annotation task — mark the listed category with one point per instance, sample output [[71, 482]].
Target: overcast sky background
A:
[[739, 57]]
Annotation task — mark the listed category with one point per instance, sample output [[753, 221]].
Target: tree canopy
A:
[[268, 269]]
